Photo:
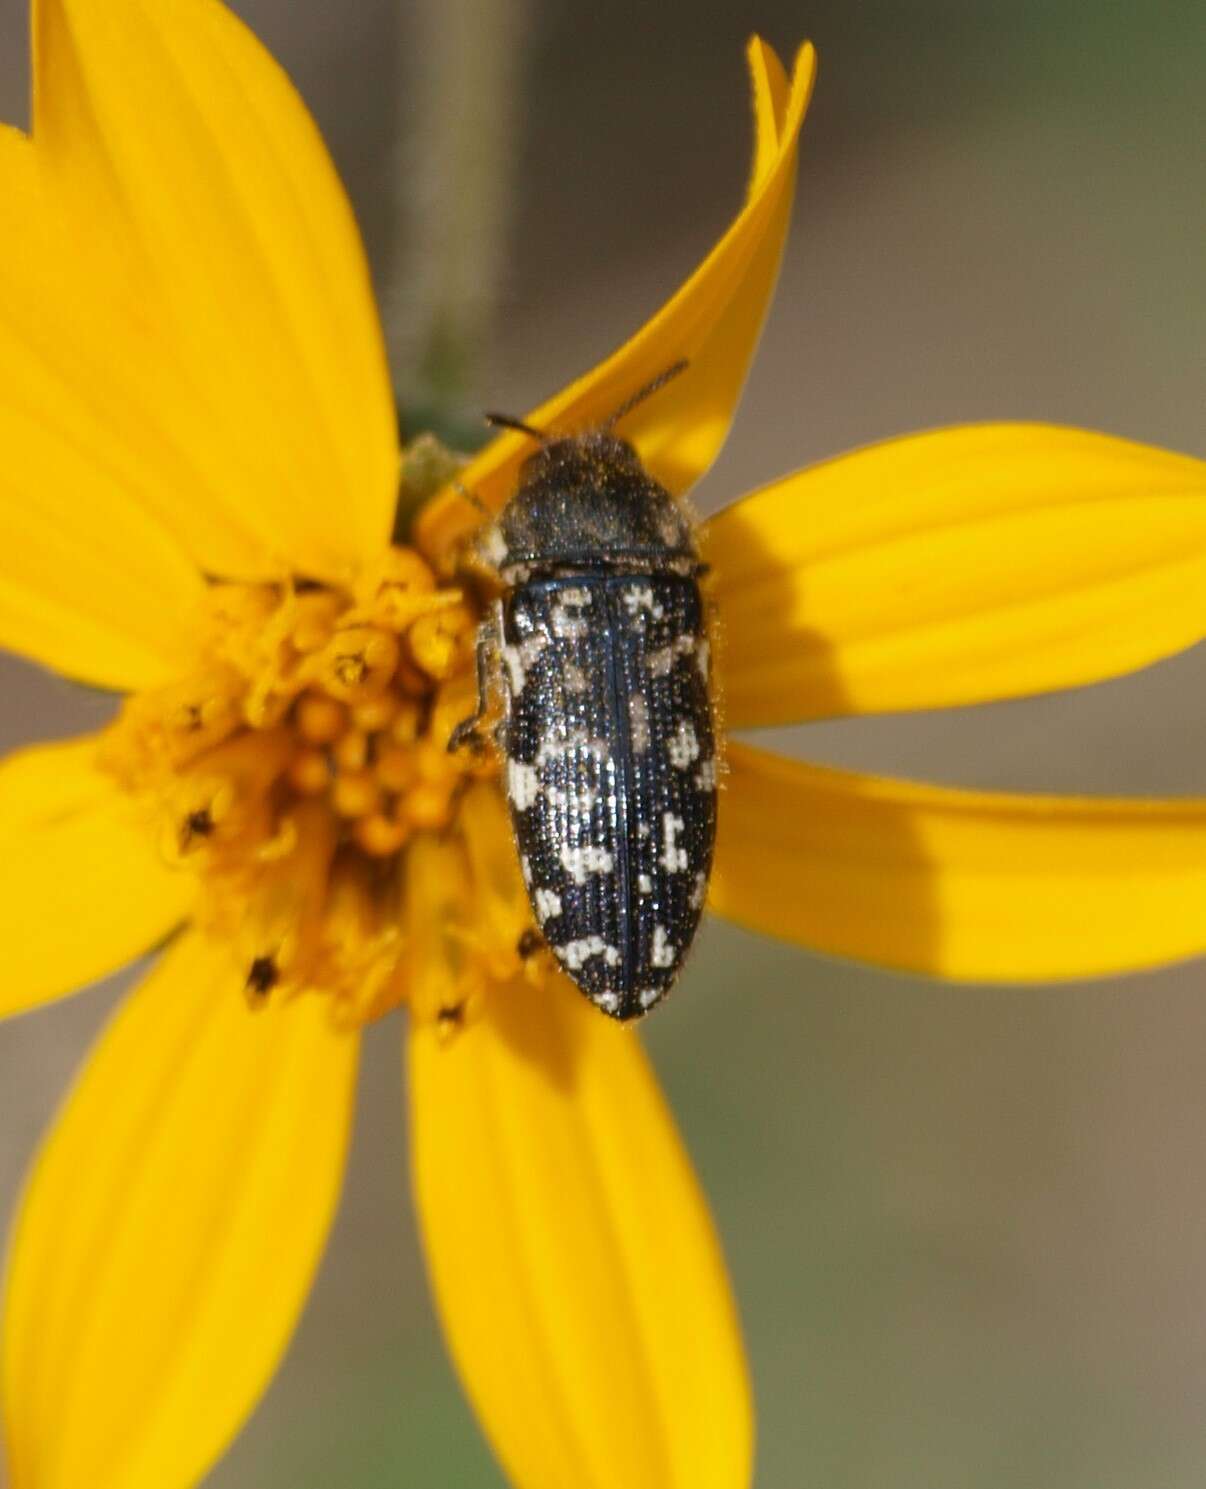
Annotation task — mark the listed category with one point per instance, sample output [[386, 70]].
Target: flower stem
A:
[[461, 63]]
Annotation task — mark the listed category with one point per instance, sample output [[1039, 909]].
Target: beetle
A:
[[599, 641]]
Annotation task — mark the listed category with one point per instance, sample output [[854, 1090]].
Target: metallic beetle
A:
[[600, 646]]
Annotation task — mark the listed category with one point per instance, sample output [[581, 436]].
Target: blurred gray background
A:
[[967, 1227]]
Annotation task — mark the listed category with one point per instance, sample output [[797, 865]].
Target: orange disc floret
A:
[[294, 771]]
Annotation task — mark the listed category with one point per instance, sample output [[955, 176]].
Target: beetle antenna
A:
[[658, 383], [505, 421]]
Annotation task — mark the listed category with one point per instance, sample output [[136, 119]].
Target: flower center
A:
[[299, 768]]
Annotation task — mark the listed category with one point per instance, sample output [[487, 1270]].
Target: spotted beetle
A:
[[600, 646]]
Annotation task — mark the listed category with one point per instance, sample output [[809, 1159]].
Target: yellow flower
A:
[[198, 492]]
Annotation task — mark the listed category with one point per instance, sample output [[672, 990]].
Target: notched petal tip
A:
[[712, 322], [768, 89]]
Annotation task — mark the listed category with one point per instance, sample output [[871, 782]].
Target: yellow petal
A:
[[90, 583], [574, 1264], [82, 889], [954, 567], [170, 1230], [227, 361], [713, 321], [970, 885]]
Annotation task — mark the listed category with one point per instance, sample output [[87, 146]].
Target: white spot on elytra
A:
[[578, 862], [638, 722], [660, 662], [644, 884], [705, 776], [672, 858], [607, 1001], [643, 829], [568, 627], [520, 658], [575, 679], [703, 656], [523, 784], [548, 904], [557, 744], [640, 600], [698, 891], [514, 669], [663, 949], [575, 953], [567, 619], [648, 996], [683, 746], [525, 867], [577, 803]]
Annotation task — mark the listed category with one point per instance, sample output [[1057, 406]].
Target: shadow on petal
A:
[[769, 862], [554, 1047]]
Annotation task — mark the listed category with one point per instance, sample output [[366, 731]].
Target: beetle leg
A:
[[529, 943], [467, 731]]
